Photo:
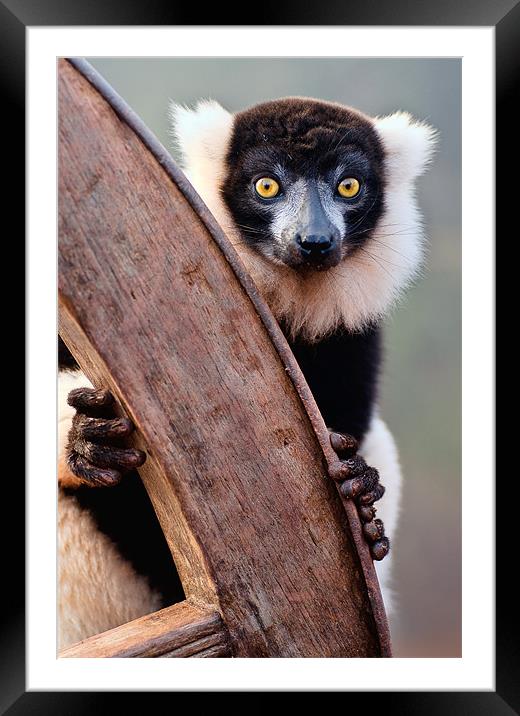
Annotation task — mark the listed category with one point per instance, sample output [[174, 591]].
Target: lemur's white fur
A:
[[380, 451], [367, 285], [98, 588]]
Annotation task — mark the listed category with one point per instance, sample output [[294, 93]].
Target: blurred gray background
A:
[[421, 388]]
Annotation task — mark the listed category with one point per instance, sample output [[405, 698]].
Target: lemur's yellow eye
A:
[[267, 188], [348, 187]]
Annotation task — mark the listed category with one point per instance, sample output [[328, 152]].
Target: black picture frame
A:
[[15, 16]]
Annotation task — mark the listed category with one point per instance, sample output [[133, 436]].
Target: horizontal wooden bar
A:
[[181, 630]]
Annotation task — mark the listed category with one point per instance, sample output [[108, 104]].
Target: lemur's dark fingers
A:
[[351, 488], [363, 483], [366, 514], [101, 429], [91, 474], [86, 400], [374, 530], [344, 445], [380, 549], [108, 456], [354, 466], [368, 498], [370, 479]]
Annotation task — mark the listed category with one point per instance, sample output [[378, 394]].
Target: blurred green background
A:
[[421, 389]]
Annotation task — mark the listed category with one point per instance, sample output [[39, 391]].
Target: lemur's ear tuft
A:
[[201, 133], [409, 144]]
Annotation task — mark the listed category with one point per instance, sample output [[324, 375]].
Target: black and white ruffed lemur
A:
[[319, 201]]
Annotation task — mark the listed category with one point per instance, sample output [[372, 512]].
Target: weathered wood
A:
[[182, 630], [151, 306]]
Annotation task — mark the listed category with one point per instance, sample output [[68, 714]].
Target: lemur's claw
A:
[[360, 483], [343, 445], [380, 549], [366, 514], [95, 453], [88, 400], [352, 488], [373, 530], [91, 474], [102, 429], [368, 498]]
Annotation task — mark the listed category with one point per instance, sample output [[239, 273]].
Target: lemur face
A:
[[318, 199], [304, 182]]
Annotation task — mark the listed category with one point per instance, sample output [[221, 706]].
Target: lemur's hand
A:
[[360, 482], [95, 453]]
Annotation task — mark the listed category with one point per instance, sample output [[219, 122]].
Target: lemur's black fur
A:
[[342, 372], [125, 514], [66, 360]]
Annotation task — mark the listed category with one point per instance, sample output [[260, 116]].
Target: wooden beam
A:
[[156, 306], [182, 630]]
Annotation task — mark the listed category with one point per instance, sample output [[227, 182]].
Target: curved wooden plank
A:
[[182, 630], [151, 306]]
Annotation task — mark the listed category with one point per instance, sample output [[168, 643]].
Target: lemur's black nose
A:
[[315, 245]]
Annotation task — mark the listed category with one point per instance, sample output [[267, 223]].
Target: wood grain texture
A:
[[152, 309], [182, 630]]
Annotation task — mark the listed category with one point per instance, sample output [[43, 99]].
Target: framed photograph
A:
[[408, 88]]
